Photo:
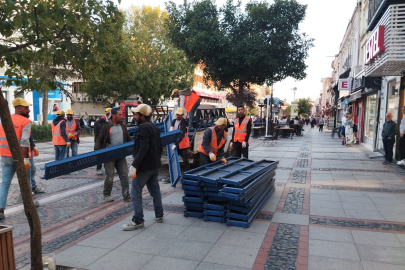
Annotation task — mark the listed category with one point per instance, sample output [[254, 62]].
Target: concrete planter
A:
[[7, 258]]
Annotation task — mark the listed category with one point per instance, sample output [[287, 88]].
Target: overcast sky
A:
[[326, 22]]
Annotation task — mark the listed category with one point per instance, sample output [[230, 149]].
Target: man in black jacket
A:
[[388, 137], [97, 127], [111, 134], [144, 169]]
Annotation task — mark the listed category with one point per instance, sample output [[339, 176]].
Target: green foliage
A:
[[47, 42], [249, 98], [304, 105], [252, 111], [41, 132], [156, 68], [261, 44], [287, 111]]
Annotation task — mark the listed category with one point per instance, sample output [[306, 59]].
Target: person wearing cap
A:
[[212, 146], [184, 142], [145, 167], [97, 126], [73, 130], [60, 139], [241, 134], [113, 133], [22, 126], [188, 100]]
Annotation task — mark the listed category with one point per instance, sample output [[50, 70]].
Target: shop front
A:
[[370, 120]]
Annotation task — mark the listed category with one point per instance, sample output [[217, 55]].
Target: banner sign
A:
[[294, 109]]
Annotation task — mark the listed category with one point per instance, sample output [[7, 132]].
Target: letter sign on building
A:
[[345, 84], [374, 45]]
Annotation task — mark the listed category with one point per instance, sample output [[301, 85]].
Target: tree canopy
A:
[[287, 111], [261, 44], [304, 106], [249, 98], [157, 67]]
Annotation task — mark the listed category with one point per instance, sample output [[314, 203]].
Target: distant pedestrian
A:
[[388, 137], [321, 122], [313, 122], [145, 167], [349, 131], [402, 139], [344, 119], [114, 133], [73, 130], [60, 139]]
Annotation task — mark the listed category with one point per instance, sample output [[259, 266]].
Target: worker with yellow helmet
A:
[[212, 146], [184, 142], [60, 139], [73, 130]]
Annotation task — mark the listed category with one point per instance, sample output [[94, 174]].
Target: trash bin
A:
[[7, 258]]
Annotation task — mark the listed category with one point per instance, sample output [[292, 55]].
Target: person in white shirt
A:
[[402, 139], [344, 119]]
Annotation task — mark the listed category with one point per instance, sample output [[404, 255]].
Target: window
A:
[[391, 97]]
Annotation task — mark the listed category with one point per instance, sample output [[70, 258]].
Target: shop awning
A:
[[355, 96]]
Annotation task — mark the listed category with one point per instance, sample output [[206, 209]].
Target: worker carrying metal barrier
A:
[[182, 147], [212, 145]]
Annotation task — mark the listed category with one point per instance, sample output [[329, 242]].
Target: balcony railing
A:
[[376, 9]]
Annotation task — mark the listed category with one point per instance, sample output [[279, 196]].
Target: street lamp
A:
[[294, 90]]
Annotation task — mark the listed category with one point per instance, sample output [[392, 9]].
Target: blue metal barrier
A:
[[173, 157], [83, 161]]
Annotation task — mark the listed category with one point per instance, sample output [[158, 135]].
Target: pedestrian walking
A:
[[213, 142], [97, 126], [114, 133], [184, 142], [60, 139], [73, 130], [147, 158], [343, 131], [388, 137], [188, 100], [402, 139], [349, 131], [321, 122], [22, 126], [241, 133]]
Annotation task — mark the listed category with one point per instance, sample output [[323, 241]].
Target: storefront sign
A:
[[294, 109], [358, 83], [345, 84], [346, 101], [374, 45]]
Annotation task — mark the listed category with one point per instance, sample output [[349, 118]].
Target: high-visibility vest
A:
[[190, 101], [241, 130], [185, 142], [19, 123], [214, 146], [71, 130], [57, 138]]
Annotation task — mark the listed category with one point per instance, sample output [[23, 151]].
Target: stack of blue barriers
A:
[[233, 193]]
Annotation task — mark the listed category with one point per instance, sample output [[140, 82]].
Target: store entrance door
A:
[[370, 117]]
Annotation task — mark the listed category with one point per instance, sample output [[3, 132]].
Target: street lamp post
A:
[[294, 90]]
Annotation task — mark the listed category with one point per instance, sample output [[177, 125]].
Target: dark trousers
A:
[[205, 159], [402, 148], [99, 166], [320, 127], [184, 156], [388, 148], [238, 151]]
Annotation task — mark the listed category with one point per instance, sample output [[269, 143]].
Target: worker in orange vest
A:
[[73, 130], [188, 100], [60, 139], [184, 142], [22, 127], [212, 146], [241, 133]]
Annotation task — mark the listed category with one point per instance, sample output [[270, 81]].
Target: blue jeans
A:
[[60, 152], [33, 171], [7, 174], [74, 145], [150, 179]]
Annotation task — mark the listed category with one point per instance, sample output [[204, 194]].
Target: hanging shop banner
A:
[[294, 109], [345, 84]]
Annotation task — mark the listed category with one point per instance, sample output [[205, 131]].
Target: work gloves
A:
[[68, 144], [27, 163], [223, 161], [213, 157], [244, 145], [132, 172], [231, 145], [35, 152], [173, 147]]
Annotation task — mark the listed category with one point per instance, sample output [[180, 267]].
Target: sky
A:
[[326, 22]]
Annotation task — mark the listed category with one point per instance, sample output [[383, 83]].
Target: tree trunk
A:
[[45, 108], [240, 95], [25, 188]]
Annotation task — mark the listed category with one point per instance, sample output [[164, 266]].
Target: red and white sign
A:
[[345, 84], [374, 45]]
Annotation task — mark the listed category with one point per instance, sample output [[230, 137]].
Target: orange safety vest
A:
[[241, 130], [19, 123], [71, 130], [190, 101], [185, 142], [213, 145], [57, 138]]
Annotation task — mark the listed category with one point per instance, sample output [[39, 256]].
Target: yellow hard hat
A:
[[107, 110], [60, 112], [221, 121], [20, 102], [180, 111], [175, 91], [143, 109], [69, 111]]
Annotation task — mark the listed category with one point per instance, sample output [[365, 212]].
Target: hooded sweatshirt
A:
[[62, 126]]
